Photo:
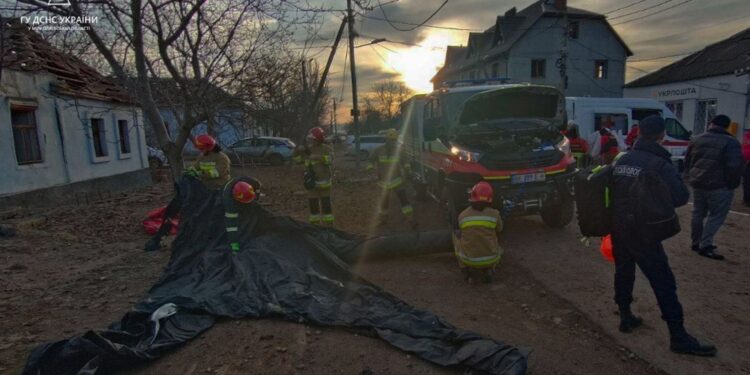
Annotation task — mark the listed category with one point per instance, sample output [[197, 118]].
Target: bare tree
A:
[[386, 98], [200, 45]]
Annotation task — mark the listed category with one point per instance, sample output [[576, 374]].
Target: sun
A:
[[417, 65]]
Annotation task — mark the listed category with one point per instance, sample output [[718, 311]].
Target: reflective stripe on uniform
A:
[[407, 210], [478, 221], [230, 215], [323, 184], [210, 168], [298, 159], [396, 182], [388, 159], [479, 261], [314, 218], [328, 218], [232, 229], [369, 166], [326, 159], [235, 246]]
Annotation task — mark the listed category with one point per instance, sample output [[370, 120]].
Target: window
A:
[[124, 133], [537, 68], [25, 135], [600, 69], [617, 121], [676, 108], [573, 29], [98, 137], [704, 114]]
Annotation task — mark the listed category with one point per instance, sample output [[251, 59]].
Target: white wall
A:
[[729, 91], [68, 155]]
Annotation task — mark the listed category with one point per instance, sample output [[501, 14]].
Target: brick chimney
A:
[[561, 5]]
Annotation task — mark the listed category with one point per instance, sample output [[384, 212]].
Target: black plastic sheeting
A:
[[285, 269]]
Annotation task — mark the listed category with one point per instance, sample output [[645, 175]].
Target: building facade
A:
[[715, 80], [526, 46], [63, 124]]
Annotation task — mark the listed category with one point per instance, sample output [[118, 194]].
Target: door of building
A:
[[705, 111]]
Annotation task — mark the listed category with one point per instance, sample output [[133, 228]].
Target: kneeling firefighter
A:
[[239, 195], [317, 158], [391, 174], [476, 240]]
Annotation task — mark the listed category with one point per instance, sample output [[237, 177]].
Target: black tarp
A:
[[285, 269]]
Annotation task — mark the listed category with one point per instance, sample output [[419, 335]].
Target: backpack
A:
[[593, 187], [653, 212]]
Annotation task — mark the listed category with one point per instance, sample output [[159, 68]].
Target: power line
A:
[[418, 25], [626, 7], [652, 14], [382, 10], [641, 10]]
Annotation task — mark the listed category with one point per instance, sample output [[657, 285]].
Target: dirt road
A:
[[82, 268]]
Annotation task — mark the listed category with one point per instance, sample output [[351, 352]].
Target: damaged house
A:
[[64, 127]]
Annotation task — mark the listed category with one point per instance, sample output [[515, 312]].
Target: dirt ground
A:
[[77, 268]]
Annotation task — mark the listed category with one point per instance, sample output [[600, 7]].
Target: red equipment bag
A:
[[154, 220], [606, 248]]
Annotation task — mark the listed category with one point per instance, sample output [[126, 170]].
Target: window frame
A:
[[32, 130], [535, 64], [123, 139], [99, 136], [574, 29], [605, 69]]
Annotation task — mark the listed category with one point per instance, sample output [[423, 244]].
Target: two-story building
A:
[[528, 45], [65, 129]]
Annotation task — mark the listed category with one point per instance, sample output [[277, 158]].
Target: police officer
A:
[[631, 249]]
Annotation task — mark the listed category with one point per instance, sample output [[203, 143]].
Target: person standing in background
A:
[[746, 176], [714, 167]]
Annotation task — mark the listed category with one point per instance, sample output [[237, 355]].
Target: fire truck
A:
[[505, 134]]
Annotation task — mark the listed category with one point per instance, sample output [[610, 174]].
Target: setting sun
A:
[[417, 65]]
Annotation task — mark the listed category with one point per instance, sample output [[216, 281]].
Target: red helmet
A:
[[243, 192], [204, 142], [317, 133], [481, 192]]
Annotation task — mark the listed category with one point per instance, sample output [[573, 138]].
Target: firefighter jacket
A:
[[213, 169], [318, 158], [390, 167], [478, 243]]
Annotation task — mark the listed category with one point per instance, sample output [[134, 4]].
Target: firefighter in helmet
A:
[[317, 157], [476, 239], [392, 172], [212, 166]]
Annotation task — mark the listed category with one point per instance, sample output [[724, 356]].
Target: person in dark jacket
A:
[[746, 177], [714, 167], [631, 249]]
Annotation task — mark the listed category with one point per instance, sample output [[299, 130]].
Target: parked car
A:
[[156, 157], [367, 143], [271, 150]]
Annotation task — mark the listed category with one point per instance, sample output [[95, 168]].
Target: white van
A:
[[589, 113]]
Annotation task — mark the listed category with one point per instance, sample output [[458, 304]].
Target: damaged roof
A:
[[26, 51], [721, 58], [508, 29]]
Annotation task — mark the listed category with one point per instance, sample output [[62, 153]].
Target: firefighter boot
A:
[[628, 321], [682, 342]]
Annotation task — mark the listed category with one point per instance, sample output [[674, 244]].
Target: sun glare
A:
[[417, 65]]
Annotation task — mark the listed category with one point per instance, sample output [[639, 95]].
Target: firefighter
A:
[[578, 146], [391, 174], [317, 158], [476, 239], [212, 166]]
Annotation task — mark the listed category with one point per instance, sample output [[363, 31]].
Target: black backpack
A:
[[653, 212], [593, 188]]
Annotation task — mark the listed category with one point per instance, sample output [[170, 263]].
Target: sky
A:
[[688, 27]]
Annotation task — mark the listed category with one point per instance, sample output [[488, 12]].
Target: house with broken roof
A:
[[714, 80], [65, 129], [525, 46]]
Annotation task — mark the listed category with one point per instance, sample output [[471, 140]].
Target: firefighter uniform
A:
[[317, 158], [391, 174], [213, 169], [478, 245]]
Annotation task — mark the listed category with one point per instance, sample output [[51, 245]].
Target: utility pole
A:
[[564, 47], [355, 107], [333, 119]]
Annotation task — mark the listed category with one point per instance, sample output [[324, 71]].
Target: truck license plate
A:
[[526, 178]]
